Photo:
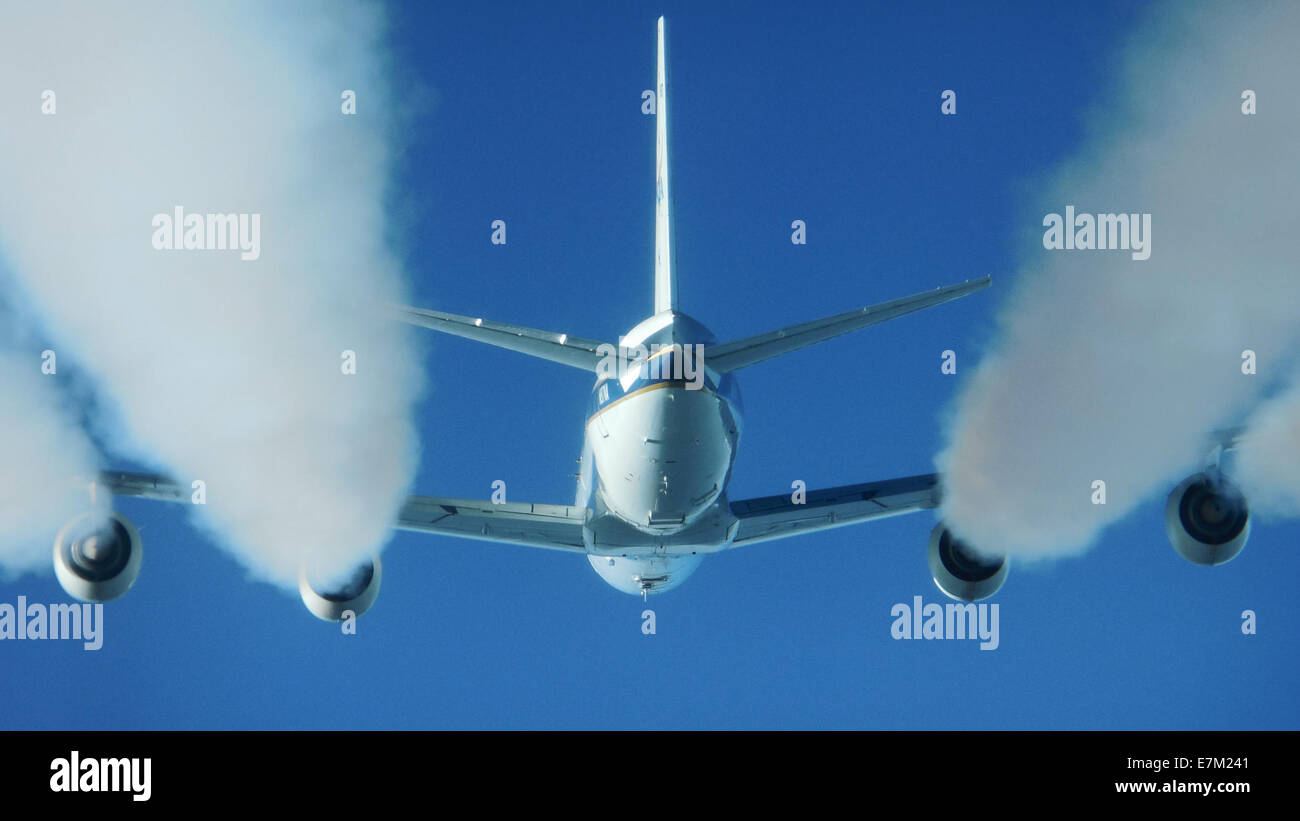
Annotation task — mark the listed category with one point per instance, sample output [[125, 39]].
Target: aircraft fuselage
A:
[[658, 453]]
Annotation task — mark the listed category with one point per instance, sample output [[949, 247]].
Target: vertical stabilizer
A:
[[665, 276]]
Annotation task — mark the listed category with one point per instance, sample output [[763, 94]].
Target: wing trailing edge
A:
[[556, 527], [776, 517]]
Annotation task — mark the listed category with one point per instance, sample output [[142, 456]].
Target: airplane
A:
[[662, 429]]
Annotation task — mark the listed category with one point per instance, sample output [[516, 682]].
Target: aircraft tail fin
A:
[[665, 275]]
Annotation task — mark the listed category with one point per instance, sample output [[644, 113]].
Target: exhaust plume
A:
[[46, 464], [1107, 367], [1266, 464], [189, 209]]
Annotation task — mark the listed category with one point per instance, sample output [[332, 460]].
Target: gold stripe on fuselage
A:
[[674, 348], [675, 383]]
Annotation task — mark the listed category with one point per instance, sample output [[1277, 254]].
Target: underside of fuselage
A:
[[661, 437]]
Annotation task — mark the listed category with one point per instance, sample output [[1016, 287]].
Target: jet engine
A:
[[357, 594], [1207, 519], [97, 557], [959, 571]]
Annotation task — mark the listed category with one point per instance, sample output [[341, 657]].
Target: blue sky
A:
[[820, 113]]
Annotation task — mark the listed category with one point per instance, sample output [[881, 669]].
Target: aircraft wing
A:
[[558, 527], [562, 348], [1229, 438], [744, 352], [143, 485], [776, 517]]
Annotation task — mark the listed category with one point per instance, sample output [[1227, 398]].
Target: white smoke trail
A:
[[46, 464], [1109, 368], [224, 370], [1268, 461]]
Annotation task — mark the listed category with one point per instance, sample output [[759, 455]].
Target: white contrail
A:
[[223, 369], [1268, 462], [46, 463], [1115, 369]]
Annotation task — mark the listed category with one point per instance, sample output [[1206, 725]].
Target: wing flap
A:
[[776, 517], [558, 527], [143, 486]]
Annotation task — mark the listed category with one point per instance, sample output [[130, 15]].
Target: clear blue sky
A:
[[531, 114]]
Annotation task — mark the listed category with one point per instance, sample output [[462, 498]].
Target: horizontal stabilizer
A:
[[741, 353], [776, 517], [567, 350]]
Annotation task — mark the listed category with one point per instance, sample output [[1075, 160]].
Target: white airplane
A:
[[662, 428]]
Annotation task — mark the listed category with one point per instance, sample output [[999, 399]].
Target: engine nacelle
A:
[[960, 572], [357, 594], [96, 557], [1207, 519]]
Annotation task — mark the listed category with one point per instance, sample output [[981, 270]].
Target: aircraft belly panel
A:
[[665, 458]]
